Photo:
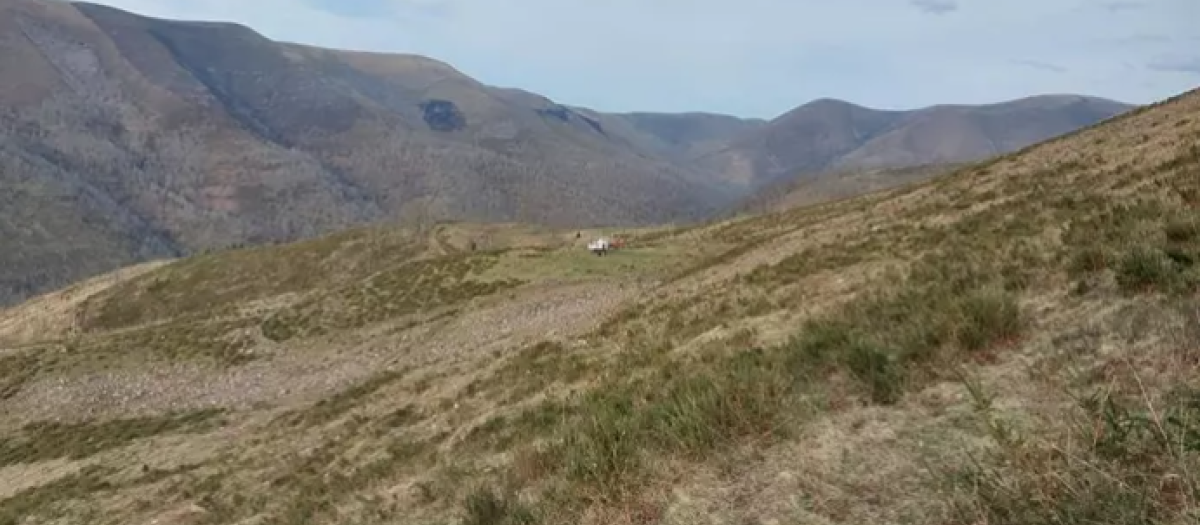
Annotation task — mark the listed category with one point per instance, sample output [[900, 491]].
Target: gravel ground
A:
[[304, 374]]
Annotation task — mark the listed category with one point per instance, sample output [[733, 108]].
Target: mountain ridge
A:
[[128, 138], [841, 135]]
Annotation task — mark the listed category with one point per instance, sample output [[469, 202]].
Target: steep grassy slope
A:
[[1013, 343], [835, 185]]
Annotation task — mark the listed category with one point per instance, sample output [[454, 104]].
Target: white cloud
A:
[[936, 7], [755, 57]]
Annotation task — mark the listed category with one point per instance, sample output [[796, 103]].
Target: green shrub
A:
[[486, 507], [692, 413], [1088, 260], [878, 369], [1133, 466], [1180, 256], [883, 339], [697, 414], [602, 447], [988, 317], [1182, 230], [819, 342], [1143, 268]]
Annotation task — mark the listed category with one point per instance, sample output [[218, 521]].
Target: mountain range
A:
[[125, 138]]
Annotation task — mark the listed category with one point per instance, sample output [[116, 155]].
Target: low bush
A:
[[1147, 269], [1134, 465], [45, 440], [888, 341], [486, 507]]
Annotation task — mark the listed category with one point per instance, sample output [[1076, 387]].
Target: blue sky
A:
[[757, 58]]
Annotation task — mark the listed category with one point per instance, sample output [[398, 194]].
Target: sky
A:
[[757, 58]]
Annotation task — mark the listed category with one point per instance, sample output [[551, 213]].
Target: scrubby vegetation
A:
[[44, 440], [15, 370], [962, 302], [1130, 463], [416, 287]]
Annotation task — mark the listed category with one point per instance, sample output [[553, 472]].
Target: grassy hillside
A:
[[1012, 343], [807, 191]]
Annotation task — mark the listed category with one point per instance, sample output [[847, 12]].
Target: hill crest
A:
[[831, 134]]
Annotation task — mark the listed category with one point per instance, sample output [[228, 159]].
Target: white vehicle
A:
[[599, 246]]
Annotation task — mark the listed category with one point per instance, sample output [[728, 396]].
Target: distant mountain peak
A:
[[828, 101], [829, 133]]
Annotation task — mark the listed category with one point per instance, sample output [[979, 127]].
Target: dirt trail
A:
[[548, 312]]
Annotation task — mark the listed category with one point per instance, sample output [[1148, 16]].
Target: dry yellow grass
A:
[[53, 314], [1014, 343]]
